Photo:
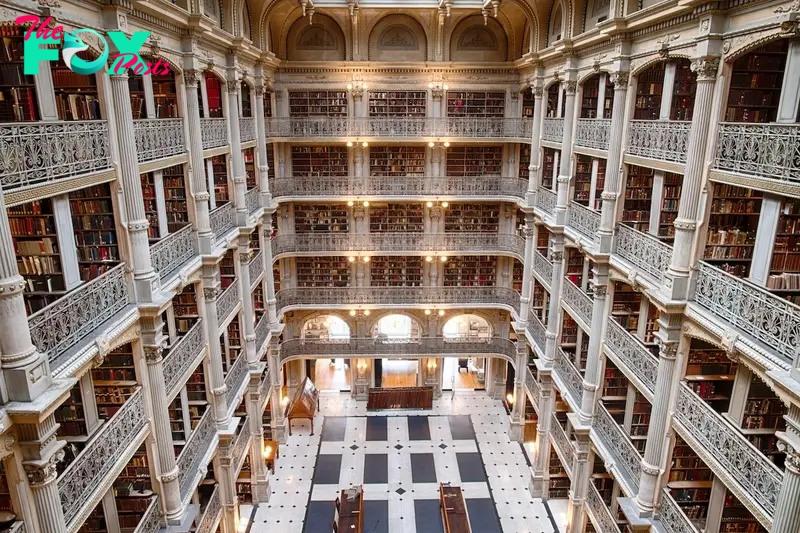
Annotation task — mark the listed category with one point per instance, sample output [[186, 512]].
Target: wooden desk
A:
[[454, 510], [351, 510], [275, 447]]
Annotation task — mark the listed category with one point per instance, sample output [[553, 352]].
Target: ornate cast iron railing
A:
[[256, 266], [474, 296], [227, 302], [101, 454], [236, 376], [222, 220], [181, 355], [546, 200], [544, 267], [593, 133], [770, 151], [171, 252], [62, 324], [210, 513], [667, 140], [214, 132], [247, 129], [643, 251], [578, 301], [672, 517], [537, 330], [618, 443], [478, 186], [262, 331], [533, 385], [553, 129], [264, 386], [32, 154], [583, 220], [241, 443], [725, 449], [633, 354], [488, 243], [189, 461], [157, 138], [562, 443], [150, 521], [570, 376], [756, 313], [252, 200], [604, 520]]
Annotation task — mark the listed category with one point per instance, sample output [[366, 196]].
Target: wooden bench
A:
[[400, 398], [454, 509]]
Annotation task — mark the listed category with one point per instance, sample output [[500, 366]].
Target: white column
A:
[[787, 512], [517, 423], [527, 270], [41, 453], [237, 158], [565, 168], [197, 171], [276, 408], [554, 309], [216, 378], [611, 187], [536, 139], [594, 367], [269, 276], [261, 144], [541, 459], [248, 311]]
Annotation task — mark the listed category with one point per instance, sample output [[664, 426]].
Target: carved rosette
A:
[[705, 68]]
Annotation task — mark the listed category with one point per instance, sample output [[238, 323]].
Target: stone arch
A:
[[557, 23], [735, 48], [490, 319], [397, 37], [317, 315], [247, 23], [588, 76], [595, 11], [377, 317], [474, 41], [637, 70], [322, 41], [473, 319]]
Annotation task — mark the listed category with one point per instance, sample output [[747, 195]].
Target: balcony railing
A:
[[222, 220], [767, 151], [643, 251], [37, 153], [100, 457], [326, 297], [192, 454], [553, 130], [619, 445], [667, 140], [240, 444], [583, 220], [359, 347], [562, 444], [633, 354], [252, 200], [236, 376], [264, 386], [727, 451], [603, 519], [210, 514], [62, 324], [537, 331], [424, 186], [544, 267], [578, 301], [157, 138], [226, 302], [546, 200], [754, 312], [256, 267], [570, 376], [214, 132], [182, 356], [247, 129], [150, 521], [262, 331], [593, 133], [532, 385], [171, 252], [672, 517], [484, 243], [400, 127]]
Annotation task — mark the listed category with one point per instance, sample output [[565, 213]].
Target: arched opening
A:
[[398, 38], [474, 41], [328, 374], [396, 328], [212, 106], [756, 81], [654, 101], [396, 372], [246, 104], [597, 96], [321, 41], [246, 26], [465, 372], [326, 328], [556, 32]]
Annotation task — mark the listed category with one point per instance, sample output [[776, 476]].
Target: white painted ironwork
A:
[[544, 267], [222, 220], [241, 444], [633, 354], [770, 151], [667, 140], [619, 444], [756, 313], [593, 133], [583, 220], [672, 517], [264, 386], [261, 331], [157, 138], [62, 324], [546, 200], [562, 443], [532, 385], [247, 129], [256, 267], [643, 251], [537, 330], [603, 519], [150, 522], [226, 302], [210, 513], [214, 132], [36, 153], [570, 377], [236, 376], [170, 253], [578, 301], [424, 186], [196, 448], [252, 200], [553, 129], [180, 356]]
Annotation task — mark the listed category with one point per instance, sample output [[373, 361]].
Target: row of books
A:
[[36, 265], [730, 236], [785, 280], [32, 226], [78, 107]]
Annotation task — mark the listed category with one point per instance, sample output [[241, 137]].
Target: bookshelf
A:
[[763, 416], [539, 304], [559, 481], [649, 86], [270, 161], [397, 103], [243, 486], [150, 206], [18, 102], [219, 170], [736, 518], [396, 271], [33, 229], [138, 102], [640, 421], [255, 241], [184, 307], [396, 218], [626, 305], [315, 218], [114, 381], [316, 161], [710, 374], [542, 240], [258, 302], [95, 230], [524, 161], [615, 391], [6, 502], [95, 522], [472, 218], [322, 272], [552, 100], [165, 95], [651, 326], [516, 275], [267, 104], [227, 270], [465, 161], [200, 101], [583, 179], [249, 156], [196, 388], [689, 483], [70, 415], [133, 491], [569, 332], [266, 421], [548, 166], [175, 198], [177, 426], [638, 197], [396, 161], [528, 103], [276, 275], [574, 266], [756, 83], [470, 271], [247, 104], [732, 228], [784, 275], [317, 103], [683, 91], [231, 345], [604, 484], [214, 95], [669, 206], [591, 95], [476, 104], [76, 95], [600, 184]]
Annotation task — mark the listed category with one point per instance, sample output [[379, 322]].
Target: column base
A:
[[279, 431], [205, 243], [575, 516], [515, 431], [148, 288], [530, 198], [186, 521], [675, 286], [361, 391], [261, 491], [536, 486], [605, 242], [637, 521]]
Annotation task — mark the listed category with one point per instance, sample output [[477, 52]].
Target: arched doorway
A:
[[465, 372], [397, 371], [328, 374]]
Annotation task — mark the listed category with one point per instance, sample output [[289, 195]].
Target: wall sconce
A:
[[357, 85], [442, 258], [428, 312], [438, 85], [351, 203], [366, 312], [365, 259], [268, 452], [284, 401], [350, 144], [444, 144], [361, 366], [352, 312], [510, 399], [431, 364], [430, 204]]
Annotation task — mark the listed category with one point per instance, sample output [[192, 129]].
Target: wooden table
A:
[[454, 509], [275, 446], [351, 510]]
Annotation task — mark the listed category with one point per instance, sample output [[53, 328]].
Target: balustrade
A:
[[226, 303], [262, 332], [157, 138], [578, 301], [583, 220], [562, 444], [672, 517], [150, 522], [667, 140], [247, 129], [553, 129], [633, 355], [211, 513], [533, 386], [234, 380], [196, 448], [252, 200], [264, 386], [214, 132], [171, 252], [70, 319], [182, 356], [593, 133], [222, 220], [241, 444], [603, 519], [256, 267], [767, 151], [643, 251], [43, 152], [619, 445], [570, 377], [544, 267], [537, 331], [546, 200]]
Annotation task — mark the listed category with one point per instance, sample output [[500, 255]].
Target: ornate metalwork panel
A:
[[222, 220], [618, 443], [769, 151], [247, 129], [210, 513], [583, 220], [181, 355], [643, 251], [192, 454], [264, 386], [543, 267], [227, 302], [214, 132], [667, 140], [157, 138], [578, 301], [171, 252], [546, 200], [672, 517], [593, 133], [604, 520], [538, 331], [562, 443], [533, 385], [553, 129], [256, 267], [235, 378], [150, 521], [570, 375], [262, 331], [252, 200], [478, 186], [633, 354], [241, 444]]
